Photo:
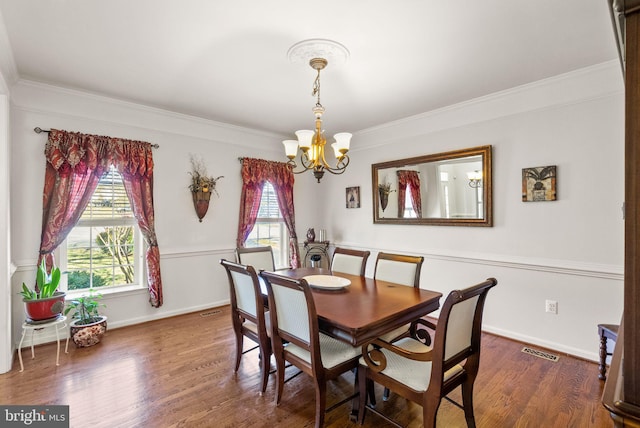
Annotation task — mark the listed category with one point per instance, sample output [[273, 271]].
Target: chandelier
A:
[[312, 142]]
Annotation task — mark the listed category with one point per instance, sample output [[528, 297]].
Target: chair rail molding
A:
[[567, 267]]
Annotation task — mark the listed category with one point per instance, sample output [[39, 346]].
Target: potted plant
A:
[[44, 302], [88, 326]]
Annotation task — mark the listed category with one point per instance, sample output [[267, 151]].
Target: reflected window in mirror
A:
[[452, 188]]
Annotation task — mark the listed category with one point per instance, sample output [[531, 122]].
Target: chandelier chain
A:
[[316, 89]]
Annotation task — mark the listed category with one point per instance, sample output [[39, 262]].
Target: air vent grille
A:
[[210, 313], [540, 354]]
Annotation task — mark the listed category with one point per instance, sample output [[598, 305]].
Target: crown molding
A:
[[44, 98]]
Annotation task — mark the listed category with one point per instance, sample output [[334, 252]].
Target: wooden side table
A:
[[58, 324], [605, 331]]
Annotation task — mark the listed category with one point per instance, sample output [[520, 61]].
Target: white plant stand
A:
[[59, 323]]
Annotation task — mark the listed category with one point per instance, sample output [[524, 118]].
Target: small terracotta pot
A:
[[85, 335]]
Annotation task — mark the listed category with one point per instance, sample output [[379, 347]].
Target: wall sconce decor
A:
[[202, 185], [539, 184], [384, 189], [475, 179]]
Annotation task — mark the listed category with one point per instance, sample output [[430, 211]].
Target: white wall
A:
[[570, 250], [6, 348]]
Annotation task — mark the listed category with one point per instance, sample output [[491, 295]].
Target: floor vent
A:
[[209, 313], [540, 354]]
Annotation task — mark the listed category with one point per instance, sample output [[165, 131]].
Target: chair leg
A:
[[265, 363], [602, 366], [430, 411], [279, 379], [467, 403], [364, 392], [371, 393], [321, 401], [239, 345]]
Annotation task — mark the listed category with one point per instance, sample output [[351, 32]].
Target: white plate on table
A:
[[327, 282]]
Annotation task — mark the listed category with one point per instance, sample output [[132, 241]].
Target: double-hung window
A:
[[104, 249], [409, 212], [270, 228]]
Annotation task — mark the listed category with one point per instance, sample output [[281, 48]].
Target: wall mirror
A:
[[448, 189]]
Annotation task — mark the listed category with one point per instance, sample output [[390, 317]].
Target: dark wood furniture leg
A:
[[605, 331]]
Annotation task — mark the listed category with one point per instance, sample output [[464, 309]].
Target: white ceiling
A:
[[226, 60]]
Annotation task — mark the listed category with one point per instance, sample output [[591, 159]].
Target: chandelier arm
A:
[[340, 167], [336, 171], [308, 164]]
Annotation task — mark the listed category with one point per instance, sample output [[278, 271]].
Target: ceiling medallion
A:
[[304, 51]]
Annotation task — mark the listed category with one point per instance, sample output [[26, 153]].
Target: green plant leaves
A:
[[46, 284]]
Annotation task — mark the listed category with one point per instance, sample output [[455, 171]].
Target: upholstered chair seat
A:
[[332, 351], [405, 370]]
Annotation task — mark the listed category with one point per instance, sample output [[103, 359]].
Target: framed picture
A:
[[353, 197], [539, 184]]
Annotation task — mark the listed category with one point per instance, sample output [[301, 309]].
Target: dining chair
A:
[[261, 258], [248, 315], [401, 269], [296, 339], [349, 261], [425, 374]]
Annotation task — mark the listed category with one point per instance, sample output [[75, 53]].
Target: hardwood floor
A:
[[178, 372]]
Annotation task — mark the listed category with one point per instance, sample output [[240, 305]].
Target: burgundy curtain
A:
[[411, 179], [255, 172], [75, 163]]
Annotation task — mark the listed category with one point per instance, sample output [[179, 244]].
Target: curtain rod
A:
[[39, 130]]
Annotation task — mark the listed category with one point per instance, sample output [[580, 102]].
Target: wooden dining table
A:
[[367, 308]]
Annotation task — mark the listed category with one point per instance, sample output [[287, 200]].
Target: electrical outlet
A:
[[551, 306]]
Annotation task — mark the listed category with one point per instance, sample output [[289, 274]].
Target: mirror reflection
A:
[[452, 188]]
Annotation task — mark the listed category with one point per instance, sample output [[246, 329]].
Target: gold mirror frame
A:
[[486, 220]]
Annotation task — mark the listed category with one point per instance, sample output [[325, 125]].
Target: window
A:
[[104, 248], [409, 212], [444, 183], [270, 228]]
